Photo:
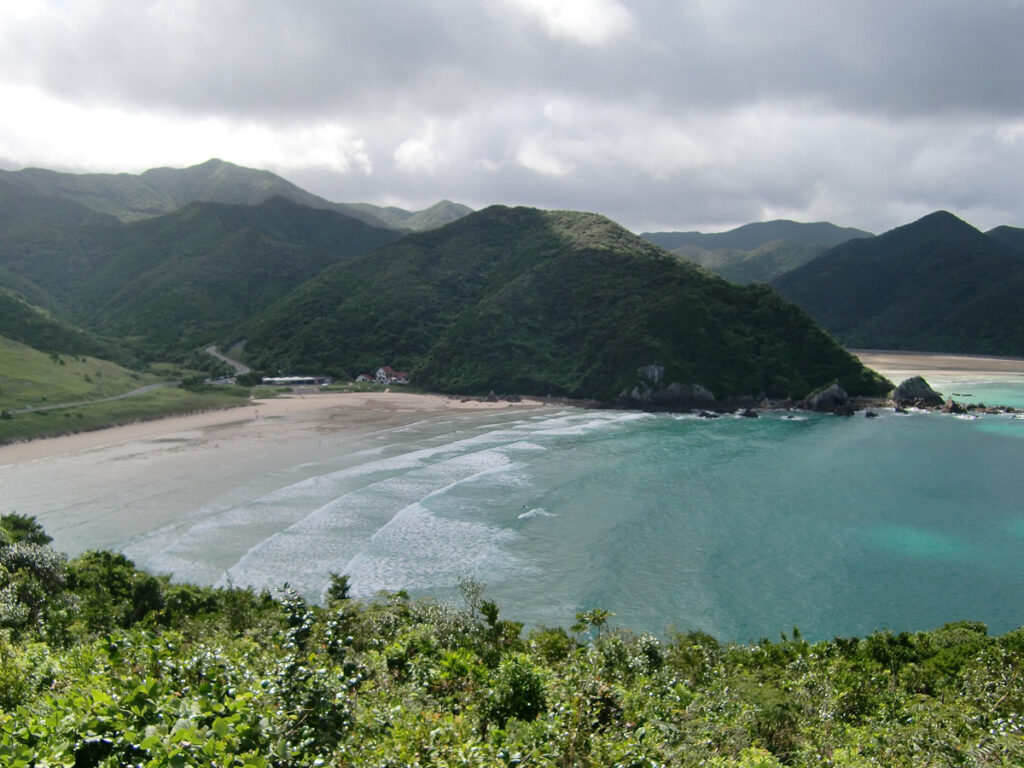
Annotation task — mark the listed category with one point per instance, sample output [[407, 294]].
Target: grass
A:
[[30, 377], [169, 401]]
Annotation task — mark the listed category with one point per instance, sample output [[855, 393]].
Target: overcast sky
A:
[[662, 114]]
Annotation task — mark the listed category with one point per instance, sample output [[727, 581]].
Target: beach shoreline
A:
[[372, 408], [367, 409]]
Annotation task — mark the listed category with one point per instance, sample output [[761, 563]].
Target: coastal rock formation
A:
[[917, 392], [650, 392], [951, 406], [829, 399]]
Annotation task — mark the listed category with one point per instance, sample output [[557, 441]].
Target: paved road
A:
[[240, 368]]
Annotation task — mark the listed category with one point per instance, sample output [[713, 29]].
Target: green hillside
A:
[[935, 285], [562, 303], [160, 191], [54, 394], [38, 328], [29, 377], [49, 246], [174, 281], [202, 272], [752, 236], [1011, 237], [759, 265]]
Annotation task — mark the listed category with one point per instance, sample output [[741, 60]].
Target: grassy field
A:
[[150, 405], [32, 378]]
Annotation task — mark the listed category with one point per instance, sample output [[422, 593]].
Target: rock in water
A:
[[952, 406], [916, 391]]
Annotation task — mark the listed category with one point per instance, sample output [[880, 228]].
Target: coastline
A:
[[366, 410], [369, 409]]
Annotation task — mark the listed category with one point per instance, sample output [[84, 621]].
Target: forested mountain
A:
[[534, 302], [751, 236], [1011, 237], [935, 285], [758, 252], [35, 327], [173, 281], [204, 271], [159, 191]]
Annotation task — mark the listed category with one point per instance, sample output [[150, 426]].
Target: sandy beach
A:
[[141, 476], [897, 366], [358, 412]]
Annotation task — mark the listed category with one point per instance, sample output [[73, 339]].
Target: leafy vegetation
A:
[[935, 285], [560, 303], [103, 665]]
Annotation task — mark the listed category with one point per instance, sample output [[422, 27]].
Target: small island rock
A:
[[916, 391]]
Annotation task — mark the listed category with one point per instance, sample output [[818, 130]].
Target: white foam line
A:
[[259, 550]]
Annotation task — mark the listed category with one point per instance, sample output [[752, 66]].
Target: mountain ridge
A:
[[159, 191], [546, 302], [937, 284]]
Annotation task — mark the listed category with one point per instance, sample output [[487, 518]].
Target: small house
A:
[[388, 375]]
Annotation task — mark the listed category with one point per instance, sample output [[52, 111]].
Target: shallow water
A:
[[742, 528]]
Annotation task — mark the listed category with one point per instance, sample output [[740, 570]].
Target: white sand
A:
[[367, 409]]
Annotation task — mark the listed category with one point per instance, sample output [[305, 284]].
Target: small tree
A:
[[337, 590]]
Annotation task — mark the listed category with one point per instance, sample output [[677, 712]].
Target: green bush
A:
[[111, 592], [517, 691]]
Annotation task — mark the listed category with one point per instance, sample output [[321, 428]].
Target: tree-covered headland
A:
[[104, 665]]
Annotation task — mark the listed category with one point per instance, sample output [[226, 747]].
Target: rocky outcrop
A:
[[828, 400], [652, 393], [917, 392]]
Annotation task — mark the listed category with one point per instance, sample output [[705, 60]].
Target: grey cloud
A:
[[702, 113], [263, 57]]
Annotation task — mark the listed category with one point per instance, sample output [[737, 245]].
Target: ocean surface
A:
[[743, 528]]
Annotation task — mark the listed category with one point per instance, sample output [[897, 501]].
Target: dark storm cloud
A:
[[656, 113]]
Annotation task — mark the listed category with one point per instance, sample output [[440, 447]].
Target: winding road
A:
[[240, 368]]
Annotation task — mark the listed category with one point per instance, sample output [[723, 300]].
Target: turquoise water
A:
[[1003, 390], [742, 528]]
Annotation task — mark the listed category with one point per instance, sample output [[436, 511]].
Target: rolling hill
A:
[[760, 265], [160, 191], [173, 281], [758, 252], [202, 272], [35, 327], [564, 303], [751, 236], [937, 284]]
